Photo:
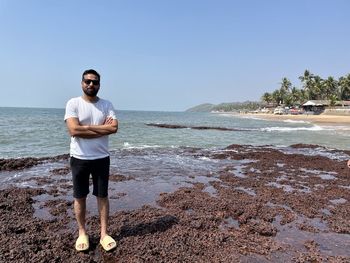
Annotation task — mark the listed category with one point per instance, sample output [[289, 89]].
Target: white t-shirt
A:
[[89, 114]]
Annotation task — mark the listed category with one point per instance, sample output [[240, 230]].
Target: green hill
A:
[[225, 107], [205, 107]]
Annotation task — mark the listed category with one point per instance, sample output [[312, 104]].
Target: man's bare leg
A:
[[80, 213], [103, 209]]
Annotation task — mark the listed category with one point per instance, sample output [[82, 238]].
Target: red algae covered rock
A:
[[263, 205]]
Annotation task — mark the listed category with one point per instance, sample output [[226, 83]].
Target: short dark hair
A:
[[91, 71]]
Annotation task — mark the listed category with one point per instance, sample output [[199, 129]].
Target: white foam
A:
[[228, 115], [327, 177], [338, 201], [248, 191], [205, 159], [292, 129], [337, 127], [253, 118], [322, 174], [285, 187], [295, 121], [317, 172], [127, 145]]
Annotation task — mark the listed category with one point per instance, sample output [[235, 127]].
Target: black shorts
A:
[[81, 170]]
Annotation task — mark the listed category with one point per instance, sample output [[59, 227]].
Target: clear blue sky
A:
[[167, 54]]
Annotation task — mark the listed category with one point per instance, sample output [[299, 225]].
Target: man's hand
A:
[[110, 126], [77, 130], [348, 163], [109, 120]]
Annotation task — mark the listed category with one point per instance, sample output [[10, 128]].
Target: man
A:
[[90, 120]]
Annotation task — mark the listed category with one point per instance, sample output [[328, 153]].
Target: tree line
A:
[[227, 107], [313, 88]]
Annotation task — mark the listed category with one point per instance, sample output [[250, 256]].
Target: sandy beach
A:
[[317, 119]]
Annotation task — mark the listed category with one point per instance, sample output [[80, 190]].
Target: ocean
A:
[[35, 132], [160, 159], [279, 167]]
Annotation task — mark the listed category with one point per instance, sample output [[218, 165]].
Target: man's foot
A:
[[82, 243], [108, 243]]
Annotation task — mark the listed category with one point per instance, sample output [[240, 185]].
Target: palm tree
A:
[[303, 96], [344, 88], [306, 80], [313, 87], [296, 96], [318, 88], [330, 87], [288, 100], [277, 97], [333, 99], [286, 85], [284, 90], [307, 75], [267, 97]]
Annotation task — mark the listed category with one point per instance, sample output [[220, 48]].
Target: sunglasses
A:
[[94, 82]]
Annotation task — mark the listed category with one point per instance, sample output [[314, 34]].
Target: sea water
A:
[[159, 160], [35, 132]]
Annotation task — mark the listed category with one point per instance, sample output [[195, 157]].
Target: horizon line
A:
[[54, 108]]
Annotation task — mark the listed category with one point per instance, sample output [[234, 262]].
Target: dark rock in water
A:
[[23, 163], [176, 126], [214, 128], [168, 126], [119, 177], [236, 147], [302, 145], [56, 158], [17, 164], [60, 171]]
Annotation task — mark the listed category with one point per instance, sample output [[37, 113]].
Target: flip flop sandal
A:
[[108, 243], [82, 243]]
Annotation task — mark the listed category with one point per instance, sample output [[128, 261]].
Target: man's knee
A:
[[102, 199], [80, 201]]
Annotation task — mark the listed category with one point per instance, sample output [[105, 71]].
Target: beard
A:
[[91, 92]]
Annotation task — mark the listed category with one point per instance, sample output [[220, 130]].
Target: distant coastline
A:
[[317, 119]]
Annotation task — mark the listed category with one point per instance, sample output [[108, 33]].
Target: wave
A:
[[227, 114], [291, 129], [254, 118], [295, 121], [243, 116], [337, 127], [127, 145]]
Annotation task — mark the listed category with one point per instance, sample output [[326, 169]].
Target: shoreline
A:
[[315, 119]]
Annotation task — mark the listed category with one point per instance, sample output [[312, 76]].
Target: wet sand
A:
[[264, 205], [317, 119]]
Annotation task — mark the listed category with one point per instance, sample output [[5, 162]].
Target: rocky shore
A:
[[276, 206]]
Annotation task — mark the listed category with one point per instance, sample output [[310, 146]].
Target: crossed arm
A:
[[75, 129]]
